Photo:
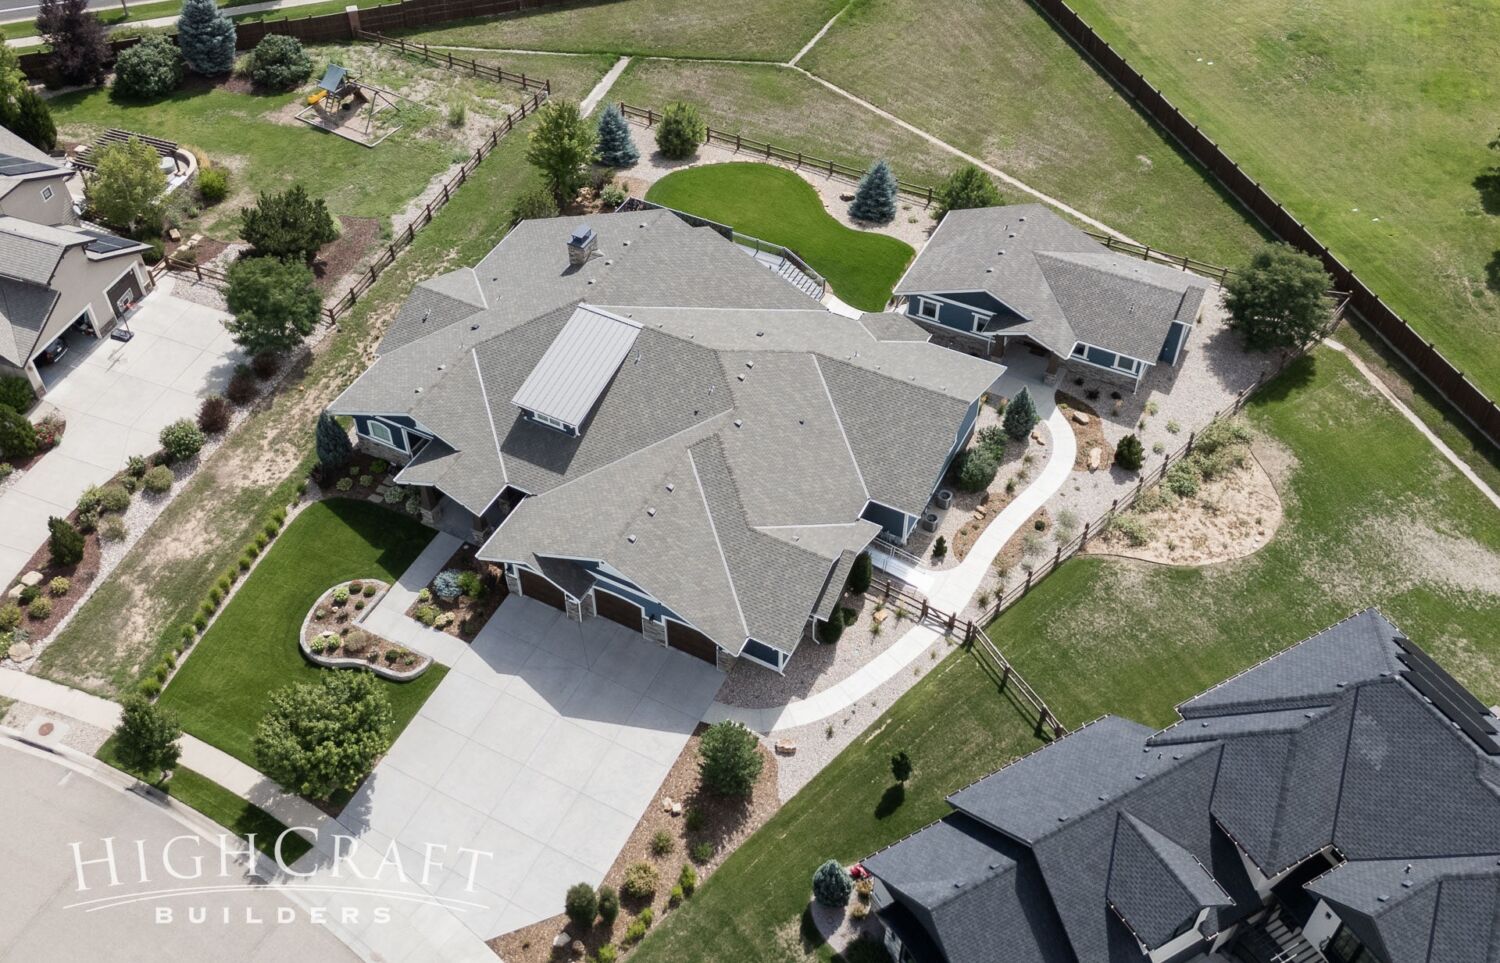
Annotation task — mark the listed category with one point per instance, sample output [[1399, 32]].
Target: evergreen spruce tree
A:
[[32, 121], [1020, 415], [616, 148], [875, 199], [206, 37], [65, 542], [332, 444]]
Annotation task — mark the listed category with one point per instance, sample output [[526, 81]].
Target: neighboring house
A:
[[54, 274], [1339, 801], [641, 422], [999, 275]]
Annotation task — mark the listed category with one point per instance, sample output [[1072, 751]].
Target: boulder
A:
[[1094, 455], [786, 747], [846, 196], [1080, 417], [881, 615], [562, 939], [31, 579], [19, 652], [1036, 436]]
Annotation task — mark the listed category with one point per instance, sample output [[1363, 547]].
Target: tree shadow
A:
[[890, 800], [1297, 375], [1487, 185], [1492, 273]]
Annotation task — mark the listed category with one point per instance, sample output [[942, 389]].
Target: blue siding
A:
[[399, 435], [1175, 337], [649, 605], [766, 654], [896, 523]]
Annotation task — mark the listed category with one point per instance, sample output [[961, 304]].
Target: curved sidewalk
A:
[[950, 590]]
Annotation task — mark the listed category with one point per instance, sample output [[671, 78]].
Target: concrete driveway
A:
[[116, 397], [543, 746]]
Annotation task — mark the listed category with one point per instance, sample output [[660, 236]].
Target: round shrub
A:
[[157, 480], [702, 852], [278, 62], [265, 364], [181, 440], [1130, 454], [213, 414], [59, 585], [978, 470], [661, 843], [640, 881], [149, 69], [16, 392], [213, 185], [581, 905], [340, 595], [832, 885], [609, 905], [40, 608], [241, 388], [447, 586], [1182, 479], [680, 131], [17, 435], [10, 616], [113, 499]]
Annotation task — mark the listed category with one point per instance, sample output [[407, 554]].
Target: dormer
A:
[[572, 374]]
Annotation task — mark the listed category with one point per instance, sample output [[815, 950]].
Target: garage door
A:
[[533, 586], [691, 641], [616, 609]]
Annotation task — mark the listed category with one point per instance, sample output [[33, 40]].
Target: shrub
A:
[[965, 188], [701, 853], [274, 302], [647, 916], [206, 37], [977, 470], [278, 62], [470, 584], [609, 905], [149, 69], [40, 608], [661, 843], [581, 905], [16, 393], [136, 466], [694, 820], [861, 573], [59, 585], [149, 688], [640, 881], [241, 388], [10, 616], [446, 585], [32, 121], [181, 440], [616, 148], [17, 435], [635, 932], [340, 595], [89, 500], [831, 630], [322, 737], [1130, 454], [158, 480], [939, 548], [532, 205], [344, 484], [64, 542], [49, 431], [687, 880], [427, 614], [606, 954], [729, 759], [265, 364], [991, 438], [680, 131], [213, 414], [832, 885], [379, 466], [875, 198], [1020, 415], [147, 740], [613, 196], [368, 590], [1131, 528], [288, 224], [28, 592], [213, 185], [113, 499], [1182, 479]]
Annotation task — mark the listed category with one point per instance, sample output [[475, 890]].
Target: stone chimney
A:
[[583, 245]]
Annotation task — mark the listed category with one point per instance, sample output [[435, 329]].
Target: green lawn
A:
[[993, 78], [776, 205], [1375, 517], [251, 650], [1368, 119], [224, 807], [771, 30], [113, 17]]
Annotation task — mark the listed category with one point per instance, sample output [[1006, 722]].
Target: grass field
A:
[[993, 78], [1368, 119], [250, 651], [776, 205], [223, 807], [772, 30], [136, 12], [1375, 517]]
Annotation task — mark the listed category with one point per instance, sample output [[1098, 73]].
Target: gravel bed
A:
[[80, 736]]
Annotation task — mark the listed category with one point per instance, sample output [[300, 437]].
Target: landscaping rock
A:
[[19, 652], [1094, 456], [562, 939], [846, 196], [31, 578], [578, 948], [15, 591], [786, 747], [1080, 417], [1037, 437], [881, 615]]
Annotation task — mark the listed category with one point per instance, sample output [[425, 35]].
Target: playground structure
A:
[[345, 106]]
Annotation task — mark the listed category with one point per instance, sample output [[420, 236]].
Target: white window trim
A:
[[390, 437], [746, 654], [981, 319], [47, 193], [1080, 354], [923, 304], [552, 422]]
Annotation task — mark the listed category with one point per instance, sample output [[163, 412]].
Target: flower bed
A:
[[372, 479], [461, 598], [333, 636]]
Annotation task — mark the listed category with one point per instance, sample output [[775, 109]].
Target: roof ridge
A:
[[713, 527]]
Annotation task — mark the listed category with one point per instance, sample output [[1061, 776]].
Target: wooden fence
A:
[[1420, 353], [446, 59], [741, 144]]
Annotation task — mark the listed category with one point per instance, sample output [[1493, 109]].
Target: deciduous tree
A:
[[967, 187], [147, 738], [80, 49], [274, 303], [126, 188], [561, 147], [320, 737], [1280, 299]]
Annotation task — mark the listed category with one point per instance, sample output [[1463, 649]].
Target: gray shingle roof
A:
[[1325, 748], [580, 362], [24, 309], [1066, 285], [30, 252]]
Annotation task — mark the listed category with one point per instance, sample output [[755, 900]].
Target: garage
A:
[[691, 641], [533, 586], [616, 609]]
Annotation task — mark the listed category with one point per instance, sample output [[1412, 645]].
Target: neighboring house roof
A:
[[31, 252], [1065, 285], [24, 309], [21, 163], [1329, 747], [732, 430]]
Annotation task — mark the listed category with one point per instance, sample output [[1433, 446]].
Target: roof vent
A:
[[442, 367], [1011, 234], [650, 512], [1021, 219], [425, 316], [738, 423], [760, 334], [739, 377], [474, 326], [582, 245], [749, 364], [670, 486], [989, 270], [630, 539], [627, 243], [416, 391]]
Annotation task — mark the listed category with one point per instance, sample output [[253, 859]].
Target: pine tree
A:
[[680, 131], [968, 187], [287, 225], [616, 148], [206, 37], [32, 121], [1130, 454], [80, 49], [333, 445], [875, 199], [1020, 415], [146, 740], [65, 542]]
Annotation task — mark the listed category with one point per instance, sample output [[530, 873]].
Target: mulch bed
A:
[[81, 576], [726, 824], [361, 466], [356, 235], [1088, 436], [349, 639], [469, 615], [1014, 552]]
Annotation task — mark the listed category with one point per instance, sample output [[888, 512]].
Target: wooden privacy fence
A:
[[741, 144], [887, 592], [1419, 352]]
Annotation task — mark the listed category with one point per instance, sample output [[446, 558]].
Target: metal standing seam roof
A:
[[577, 367]]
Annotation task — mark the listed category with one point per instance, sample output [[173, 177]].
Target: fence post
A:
[[924, 611], [1192, 435]]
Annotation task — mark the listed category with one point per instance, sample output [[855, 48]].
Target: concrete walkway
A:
[[601, 89], [388, 619]]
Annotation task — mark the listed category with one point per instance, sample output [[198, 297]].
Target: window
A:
[[981, 319], [382, 433], [551, 422], [47, 193], [927, 308]]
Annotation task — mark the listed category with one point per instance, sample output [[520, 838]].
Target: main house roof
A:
[[1331, 746], [725, 455], [1065, 285]]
